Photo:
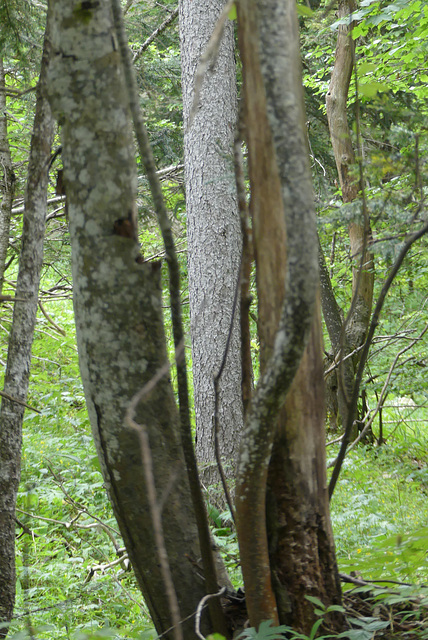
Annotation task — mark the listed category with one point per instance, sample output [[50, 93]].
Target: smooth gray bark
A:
[[21, 337], [213, 232], [118, 307]]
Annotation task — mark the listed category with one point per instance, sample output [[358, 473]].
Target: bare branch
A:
[[200, 608], [49, 319], [155, 34], [156, 519], [5, 395]]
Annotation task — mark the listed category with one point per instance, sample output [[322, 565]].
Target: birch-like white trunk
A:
[[213, 231]]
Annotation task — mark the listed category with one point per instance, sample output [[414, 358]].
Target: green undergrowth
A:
[[380, 508], [67, 538]]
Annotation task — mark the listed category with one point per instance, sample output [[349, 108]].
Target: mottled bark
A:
[[359, 231], [7, 178], [21, 336], [286, 252], [213, 234], [118, 308]]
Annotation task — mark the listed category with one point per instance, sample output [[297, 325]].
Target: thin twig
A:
[[156, 519], [3, 394], [53, 200], [49, 319], [146, 153], [200, 608], [154, 35], [217, 378], [383, 393], [247, 382]]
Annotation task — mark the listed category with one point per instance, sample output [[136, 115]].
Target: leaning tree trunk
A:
[[357, 323], [7, 183], [21, 336], [118, 310], [213, 233], [298, 527]]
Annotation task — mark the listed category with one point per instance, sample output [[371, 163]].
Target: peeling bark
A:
[[286, 249], [21, 336], [301, 546]]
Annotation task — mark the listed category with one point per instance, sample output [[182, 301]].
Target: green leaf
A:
[[370, 89], [304, 11], [232, 16], [336, 607], [366, 67], [265, 632], [315, 601], [315, 628]]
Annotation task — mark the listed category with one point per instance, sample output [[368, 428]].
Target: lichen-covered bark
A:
[[118, 308], [213, 234], [21, 337], [286, 258], [7, 177]]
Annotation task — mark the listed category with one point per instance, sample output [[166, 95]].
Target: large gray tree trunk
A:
[[21, 337], [118, 308], [213, 231]]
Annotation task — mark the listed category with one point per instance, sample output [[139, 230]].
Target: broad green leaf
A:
[[316, 601], [370, 89], [304, 11], [232, 13]]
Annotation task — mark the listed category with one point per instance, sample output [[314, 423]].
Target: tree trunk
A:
[[301, 546], [118, 309], [340, 381], [213, 233], [286, 252], [7, 184], [21, 336], [359, 232]]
